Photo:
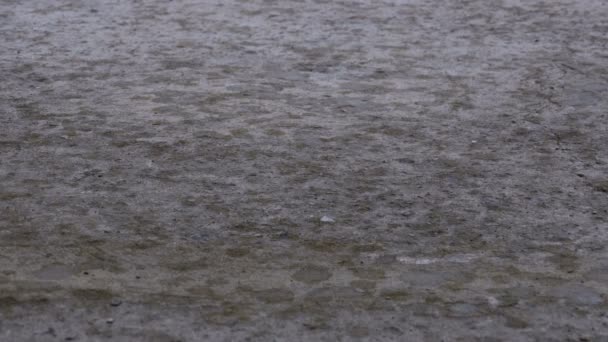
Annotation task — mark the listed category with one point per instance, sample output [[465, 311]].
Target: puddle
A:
[[460, 258]]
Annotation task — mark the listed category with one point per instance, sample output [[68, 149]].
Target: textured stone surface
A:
[[177, 157]]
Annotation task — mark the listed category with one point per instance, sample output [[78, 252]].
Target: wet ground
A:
[[417, 170]]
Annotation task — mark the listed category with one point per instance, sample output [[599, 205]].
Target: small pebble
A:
[[116, 302], [327, 219], [110, 320], [493, 301]]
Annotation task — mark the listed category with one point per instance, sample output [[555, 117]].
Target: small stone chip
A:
[[327, 219]]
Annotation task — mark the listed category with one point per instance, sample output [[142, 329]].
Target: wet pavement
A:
[[303, 170]]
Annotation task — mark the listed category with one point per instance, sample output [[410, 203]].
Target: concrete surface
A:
[[417, 170]]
